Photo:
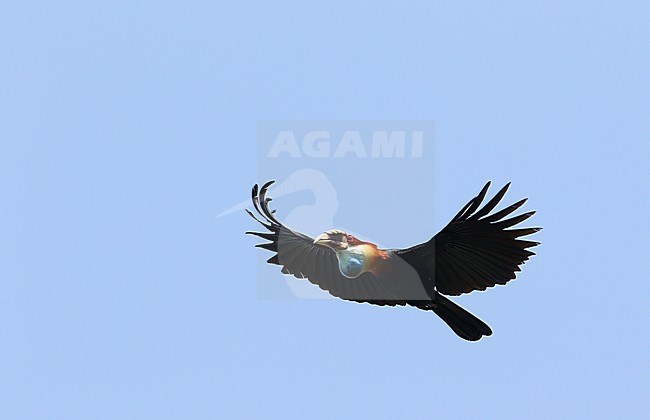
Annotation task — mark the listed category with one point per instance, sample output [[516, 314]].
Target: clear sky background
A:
[[126, 127]]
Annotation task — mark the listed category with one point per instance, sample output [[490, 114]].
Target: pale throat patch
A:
[[352, 261]]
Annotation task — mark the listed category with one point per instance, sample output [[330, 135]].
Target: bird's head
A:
[[354, 256], [351, 257], [335, 239]]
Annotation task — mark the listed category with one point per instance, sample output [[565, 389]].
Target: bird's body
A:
[[473, 252]]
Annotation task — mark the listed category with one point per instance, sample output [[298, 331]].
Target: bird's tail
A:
[[464, 324]]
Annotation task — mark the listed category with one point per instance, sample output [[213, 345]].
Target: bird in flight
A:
[[476, 250]]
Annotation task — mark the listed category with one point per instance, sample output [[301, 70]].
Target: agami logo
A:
[[322, 144]]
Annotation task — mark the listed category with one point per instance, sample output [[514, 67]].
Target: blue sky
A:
[[125, 128]]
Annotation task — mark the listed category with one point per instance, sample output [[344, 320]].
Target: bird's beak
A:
[[323, 239], [334, 241]]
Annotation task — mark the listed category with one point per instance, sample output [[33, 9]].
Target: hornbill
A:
[[476, 250]]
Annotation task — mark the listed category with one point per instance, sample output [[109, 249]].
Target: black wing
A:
[[475, 250], [298, 255]]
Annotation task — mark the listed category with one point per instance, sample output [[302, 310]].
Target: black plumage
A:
[[474, 251]]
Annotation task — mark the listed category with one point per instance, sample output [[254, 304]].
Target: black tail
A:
[[463, 323]]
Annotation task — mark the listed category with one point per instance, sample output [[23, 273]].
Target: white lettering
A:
[[319, 144], [351, 142], [385, 145], [417, 144], [285, 142], [316, 150]]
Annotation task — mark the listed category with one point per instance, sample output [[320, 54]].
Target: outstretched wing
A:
[[476, 250], [298, 255]]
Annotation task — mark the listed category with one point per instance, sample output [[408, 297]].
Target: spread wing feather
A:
[[475, 250], [296, 253]]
